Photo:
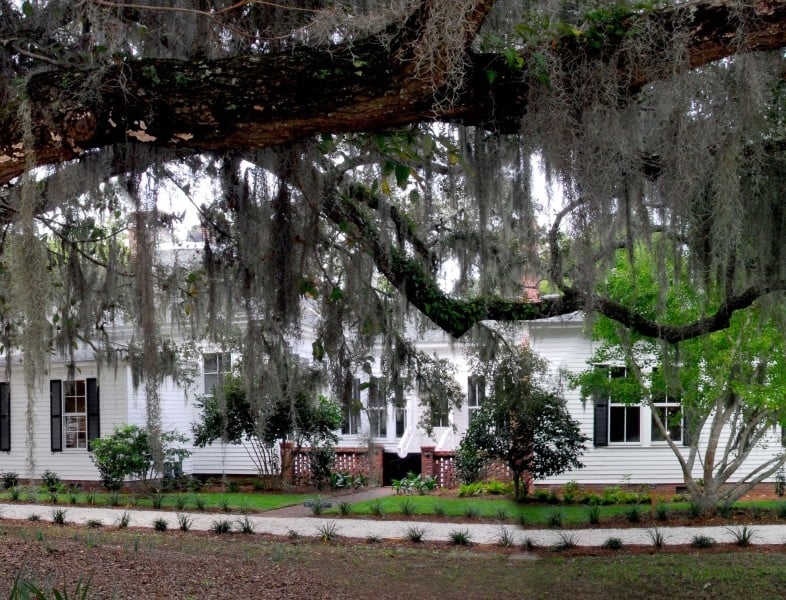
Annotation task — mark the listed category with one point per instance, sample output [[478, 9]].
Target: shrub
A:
[[613, 543], [657, 537], [327, 532], [571, 492], [661, 511], [321, 459], [506, 539], [414, 483], [593, 514], [555, 518], [415, 534], [160, 524], [59, 516], [246, 525], [742, 536], [459, 537], [345, 508], [10, 479], [221, 526], [468, 463], [566, 541], [702, 541], [124, 520], [127, 453], [634, 514], [407, 507], [50, 480], [184, 522]]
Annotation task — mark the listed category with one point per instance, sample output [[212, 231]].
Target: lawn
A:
[[499, 508], [197, 501]]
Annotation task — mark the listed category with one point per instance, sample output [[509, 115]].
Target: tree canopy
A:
[[714, 400], [358, 159]]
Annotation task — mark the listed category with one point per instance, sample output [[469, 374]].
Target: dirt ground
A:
[[130, 563]]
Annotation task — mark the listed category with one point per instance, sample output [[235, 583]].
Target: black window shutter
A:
[[472, 391], [93, 411], [56, 414], [5, 417], [600, 435]]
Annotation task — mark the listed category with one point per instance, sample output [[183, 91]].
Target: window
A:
[[476, 394], [624, 424], [214, 367], [74, 414], [616, 422], [670, 412], [440, 412], [377, 409], [401, 421], [351, 409]]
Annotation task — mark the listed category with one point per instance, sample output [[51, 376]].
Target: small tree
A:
[[521, 423], [127, 453], [233, 418], [728, 388]]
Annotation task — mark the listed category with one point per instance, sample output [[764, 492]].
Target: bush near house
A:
[[128, 453]]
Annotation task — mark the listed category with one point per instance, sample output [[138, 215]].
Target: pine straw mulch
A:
[[140, 563]]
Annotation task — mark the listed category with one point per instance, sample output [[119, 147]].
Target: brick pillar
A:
[[427, 461], [287, 466], [375, 466]]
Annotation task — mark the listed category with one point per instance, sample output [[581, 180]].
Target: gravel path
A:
[[277, 524]]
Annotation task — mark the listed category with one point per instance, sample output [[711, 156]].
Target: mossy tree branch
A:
[[258, 101]]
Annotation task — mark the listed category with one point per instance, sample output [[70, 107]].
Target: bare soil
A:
[[129, 563]]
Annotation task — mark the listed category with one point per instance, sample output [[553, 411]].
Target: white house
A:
[[66, 414]]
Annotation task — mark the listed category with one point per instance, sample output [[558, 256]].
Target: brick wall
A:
[[355, 461]]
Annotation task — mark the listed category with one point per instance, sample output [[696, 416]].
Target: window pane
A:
[[672, 419], [210, 363], [617, 424], [632, 424], [401, 421]]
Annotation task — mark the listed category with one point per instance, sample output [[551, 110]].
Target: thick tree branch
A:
[[258, 101]]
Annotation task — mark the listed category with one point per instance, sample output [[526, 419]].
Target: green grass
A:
[[486, 508], [257, 502]]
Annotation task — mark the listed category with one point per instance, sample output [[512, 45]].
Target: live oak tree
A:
[[359, 159]]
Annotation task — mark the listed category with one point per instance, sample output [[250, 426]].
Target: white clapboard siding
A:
[[68, 464], [563, 343]]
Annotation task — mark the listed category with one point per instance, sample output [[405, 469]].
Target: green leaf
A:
[[491, 76], [402, 174], [317, 350], [27, 9], [336, 294]]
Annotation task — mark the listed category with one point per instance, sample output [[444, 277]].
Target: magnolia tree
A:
[[521, 423], [721, 396]]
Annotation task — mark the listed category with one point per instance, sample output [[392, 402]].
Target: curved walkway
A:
[[387, 529]]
